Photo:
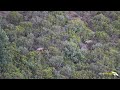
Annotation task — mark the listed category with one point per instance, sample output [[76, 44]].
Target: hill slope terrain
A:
[[59, 44]]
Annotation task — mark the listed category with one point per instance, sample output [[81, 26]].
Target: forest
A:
[[59, 44]]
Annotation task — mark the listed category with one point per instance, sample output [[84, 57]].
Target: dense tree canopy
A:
[[60, 45]]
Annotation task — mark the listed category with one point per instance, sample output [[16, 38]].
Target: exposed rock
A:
[[4, 13]]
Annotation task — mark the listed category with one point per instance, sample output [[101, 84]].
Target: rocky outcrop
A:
[[4, 13]]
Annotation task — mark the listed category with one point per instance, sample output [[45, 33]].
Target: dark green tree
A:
[[5, 58]]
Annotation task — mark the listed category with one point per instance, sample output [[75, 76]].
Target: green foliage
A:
[[26, 24], [83, 74], [79, 27], [101, 23], [47, 73], [13, 73], [11, 35], [66, 71], [54, 51], [56, 61], [72, 52], [15, 17], [57, 18], [63, 36], [102, 36], [4, 56]]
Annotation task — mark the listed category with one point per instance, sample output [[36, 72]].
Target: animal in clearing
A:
[[83, 47], [40, 49], [89, 44]]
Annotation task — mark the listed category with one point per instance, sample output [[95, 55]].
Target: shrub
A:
[[56, 61], [83, 74], [66, 71], [15, 17], [47, 73], [72, 52], [102, 36]]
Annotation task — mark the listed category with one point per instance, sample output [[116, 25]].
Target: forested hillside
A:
[[59, 44]]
